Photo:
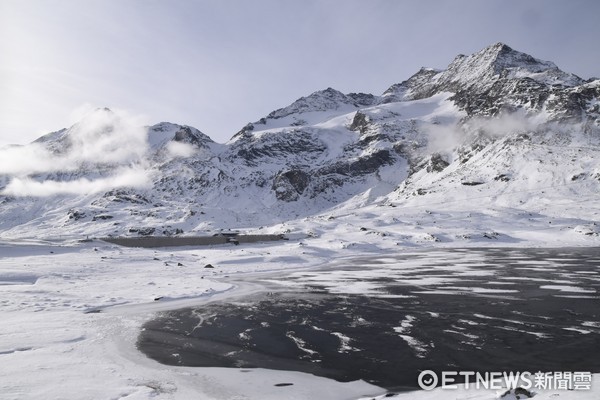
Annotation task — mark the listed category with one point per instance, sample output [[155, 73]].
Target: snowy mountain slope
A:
[[479, 71], [498, 134], [318, 107]]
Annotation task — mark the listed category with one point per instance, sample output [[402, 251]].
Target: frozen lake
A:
[[384, 319]]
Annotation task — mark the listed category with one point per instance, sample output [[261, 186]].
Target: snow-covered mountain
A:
[[498, 135]]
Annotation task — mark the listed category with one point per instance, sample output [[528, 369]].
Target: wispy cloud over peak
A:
[[102, 140]]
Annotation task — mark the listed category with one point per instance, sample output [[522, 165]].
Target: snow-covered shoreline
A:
[[56, 345]]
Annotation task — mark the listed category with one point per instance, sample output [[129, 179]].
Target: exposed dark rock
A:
[[362, 99], [289, 185], [472, 183], [143, 231], [185, 135], [75, 214], [465, 153], [436, 163], [361, 166], [102, 217], [401, 148], [298, 143], [360, 123], [245, 131], [491, 235], [122, 196], [299, 122], [519, 393], [412, 88]]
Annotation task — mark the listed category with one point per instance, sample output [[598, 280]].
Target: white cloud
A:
[[445, 138], [179, 149], [504, 125], [107, 137], [134, 178], [30, 159], [102, 138]]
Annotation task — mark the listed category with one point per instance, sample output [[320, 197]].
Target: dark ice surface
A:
[[483, 310]]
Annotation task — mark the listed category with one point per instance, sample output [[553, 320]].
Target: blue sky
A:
[[218, 64]]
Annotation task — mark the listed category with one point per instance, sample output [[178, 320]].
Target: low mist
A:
[[124, 178], [101, 139], [446, 138]]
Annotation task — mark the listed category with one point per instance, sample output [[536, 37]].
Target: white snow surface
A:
[[56, 345]]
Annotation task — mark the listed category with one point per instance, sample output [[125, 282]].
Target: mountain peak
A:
[[482, 69], [501, 57], [496, 58], [101, 111], [99, 116], [499, 46], [491, 52], [402, 91], [329, 93], [321, 100]]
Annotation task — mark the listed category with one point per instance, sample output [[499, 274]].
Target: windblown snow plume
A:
[[104, 137], [445, 138], [506, 124], [126, 177], [101, 139], [178, 149]]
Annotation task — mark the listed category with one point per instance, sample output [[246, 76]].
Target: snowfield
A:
[[57, 345], [72, 311]]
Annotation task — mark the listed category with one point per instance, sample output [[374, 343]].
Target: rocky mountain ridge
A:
[[492, 123]]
